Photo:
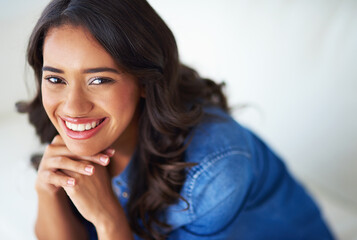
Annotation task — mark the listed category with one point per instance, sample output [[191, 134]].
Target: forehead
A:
[[74, 46]]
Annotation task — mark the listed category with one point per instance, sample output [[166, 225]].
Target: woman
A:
[[139, 145]]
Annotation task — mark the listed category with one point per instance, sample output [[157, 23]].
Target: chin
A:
[[84, 149], [80, 151]]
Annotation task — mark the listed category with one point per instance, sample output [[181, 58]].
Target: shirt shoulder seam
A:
[[207, 162]]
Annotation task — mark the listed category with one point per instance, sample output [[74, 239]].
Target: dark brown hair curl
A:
[[141, 43]]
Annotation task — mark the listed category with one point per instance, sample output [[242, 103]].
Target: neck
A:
[[118, 163], [124, 149]]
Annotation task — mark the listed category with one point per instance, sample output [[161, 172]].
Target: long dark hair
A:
[[142, 44]]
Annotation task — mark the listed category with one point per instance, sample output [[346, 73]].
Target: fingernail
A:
[[70, 182], [104, 159], [111, 151], [89, 169]]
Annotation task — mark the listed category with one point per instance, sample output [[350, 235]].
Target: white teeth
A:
[[81, 127]]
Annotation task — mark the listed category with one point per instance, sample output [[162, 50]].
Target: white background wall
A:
[[293, 62]]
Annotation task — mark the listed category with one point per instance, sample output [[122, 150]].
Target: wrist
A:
[[114, 230], [113, 225]]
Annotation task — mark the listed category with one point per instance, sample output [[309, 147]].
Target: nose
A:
[[77, 102]]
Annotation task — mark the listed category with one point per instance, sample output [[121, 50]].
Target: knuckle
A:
[[56, 139], [47, 176], [62, 181], [79, 167], [42, 164], [47, 163], [49, 149], [61, 160], [52, 147], [83, 162]]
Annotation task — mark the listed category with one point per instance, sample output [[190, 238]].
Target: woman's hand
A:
[[87, 182], [93, 195], [57, 160], [95, 200]]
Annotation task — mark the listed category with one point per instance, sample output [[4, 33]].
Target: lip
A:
[[84, 134], [80, 120]]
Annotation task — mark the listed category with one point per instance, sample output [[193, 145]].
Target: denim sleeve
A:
[[215, 189]]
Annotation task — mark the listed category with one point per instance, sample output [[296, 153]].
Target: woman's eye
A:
[[55, 80], [98, 81]]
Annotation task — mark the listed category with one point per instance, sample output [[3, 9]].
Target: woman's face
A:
[[90, 101]]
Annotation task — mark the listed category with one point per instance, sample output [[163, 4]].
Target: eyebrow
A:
[[52, 69], [100, 69], [89, 70]]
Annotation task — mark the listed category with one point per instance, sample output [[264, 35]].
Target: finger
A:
[[70, 174], [65, 163], [109, 151], [58, 140], [58, 180], [101, 159], [62, 150]]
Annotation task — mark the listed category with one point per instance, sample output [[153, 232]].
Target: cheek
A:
[[122, 101], [49, 102]]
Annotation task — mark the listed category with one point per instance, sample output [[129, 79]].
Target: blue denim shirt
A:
[[239, 189]]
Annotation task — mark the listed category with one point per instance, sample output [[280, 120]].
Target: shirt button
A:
[[125, 195], [117, 191]]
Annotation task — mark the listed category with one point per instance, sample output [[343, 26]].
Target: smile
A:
[[80, 128]]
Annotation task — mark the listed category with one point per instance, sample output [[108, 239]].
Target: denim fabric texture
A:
[[239, 189]]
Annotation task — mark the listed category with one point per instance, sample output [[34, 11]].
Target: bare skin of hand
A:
[[93, 195], [57, 159], [94, 198], [87, 182]]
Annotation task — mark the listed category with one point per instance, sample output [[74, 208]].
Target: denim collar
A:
[[123, 177]]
